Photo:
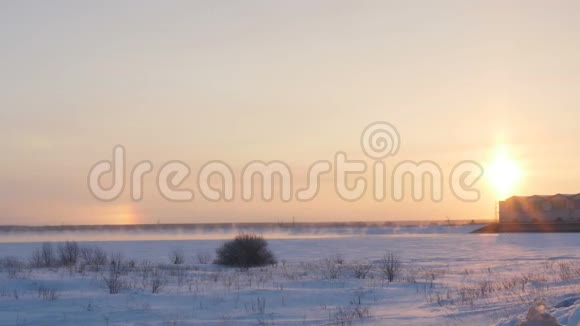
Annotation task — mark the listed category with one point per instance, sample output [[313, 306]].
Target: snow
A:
[[449, 277]]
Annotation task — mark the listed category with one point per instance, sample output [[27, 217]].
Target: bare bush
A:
[[68, 253], [468, 294], [361, 270], [114, 280], [144, 272], [349, 315], [331, 268], [93, 256], [257, 306], [10, 262], [48, 294], [567, 270], [13, 266], [36, 259], [9, 293], [44, 256], [390, 266], [181, 275], [338, 259], [158, 280], [177, 257]]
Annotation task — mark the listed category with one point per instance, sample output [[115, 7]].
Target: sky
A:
[[294, 81]]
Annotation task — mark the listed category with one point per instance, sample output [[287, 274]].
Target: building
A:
[[558, 208]]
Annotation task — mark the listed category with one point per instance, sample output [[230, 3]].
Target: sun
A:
[[121, 214], [504, 174]]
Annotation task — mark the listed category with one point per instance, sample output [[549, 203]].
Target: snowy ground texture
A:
[[447, 277]]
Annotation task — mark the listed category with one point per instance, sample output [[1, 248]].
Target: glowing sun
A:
[[503, 173]]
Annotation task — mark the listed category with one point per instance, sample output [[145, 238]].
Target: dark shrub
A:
[[68, 253], [93, 256], [246, 250], [177, 257], [391, 266], [115, 281], [43, 257]]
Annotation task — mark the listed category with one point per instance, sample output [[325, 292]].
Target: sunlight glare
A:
[[504, 174]]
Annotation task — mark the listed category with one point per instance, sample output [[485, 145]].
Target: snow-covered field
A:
[[448, 277]]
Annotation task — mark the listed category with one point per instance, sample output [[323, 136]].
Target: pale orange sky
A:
[[295, 81]]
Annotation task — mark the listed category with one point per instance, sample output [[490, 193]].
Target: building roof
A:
[[569, 196]]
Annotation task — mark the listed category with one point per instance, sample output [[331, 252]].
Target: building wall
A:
[[536, 209]]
